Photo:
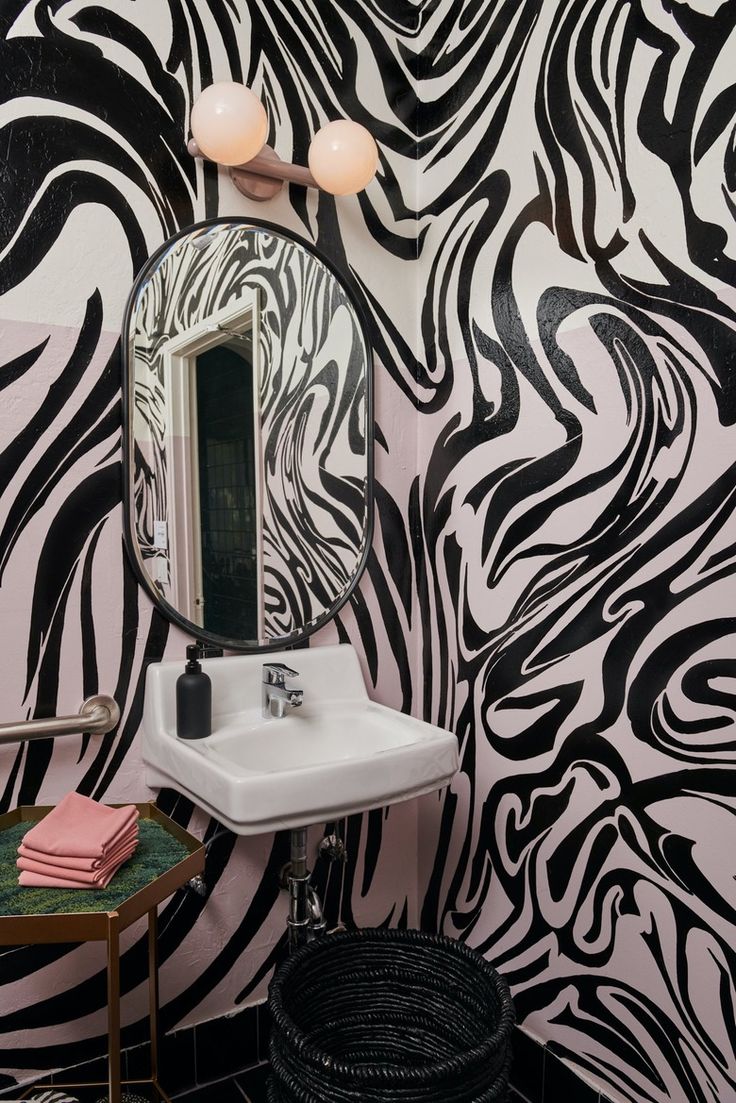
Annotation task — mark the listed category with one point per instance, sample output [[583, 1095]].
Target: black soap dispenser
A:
[[193, 699]]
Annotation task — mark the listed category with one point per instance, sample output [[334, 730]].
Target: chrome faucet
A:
[[275, 697]]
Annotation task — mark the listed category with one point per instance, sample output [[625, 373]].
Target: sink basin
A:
[[337, 754]]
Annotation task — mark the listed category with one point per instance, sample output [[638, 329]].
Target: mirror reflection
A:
[[247, 434]]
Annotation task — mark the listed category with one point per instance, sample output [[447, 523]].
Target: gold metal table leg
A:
[[153, 989], [113, 1007]]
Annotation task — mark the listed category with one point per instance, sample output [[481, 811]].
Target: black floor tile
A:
[[253, 1084]]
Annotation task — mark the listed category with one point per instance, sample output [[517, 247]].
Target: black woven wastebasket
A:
[[389, 1017]]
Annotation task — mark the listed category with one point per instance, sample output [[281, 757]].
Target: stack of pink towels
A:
[[79, 844]]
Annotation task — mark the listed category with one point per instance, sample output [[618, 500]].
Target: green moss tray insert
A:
[[157, 852]]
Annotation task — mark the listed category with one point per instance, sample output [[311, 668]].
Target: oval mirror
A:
[[248, 432]]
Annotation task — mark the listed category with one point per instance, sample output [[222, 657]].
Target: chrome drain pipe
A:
[[305, 920]]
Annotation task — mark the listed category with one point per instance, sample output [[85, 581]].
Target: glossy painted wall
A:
[[547, 262]]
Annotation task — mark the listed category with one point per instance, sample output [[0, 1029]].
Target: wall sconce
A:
[[229, 127]]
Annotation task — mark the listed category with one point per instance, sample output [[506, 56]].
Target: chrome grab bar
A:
[[99, 714]]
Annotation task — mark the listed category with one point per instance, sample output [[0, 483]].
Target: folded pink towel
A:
[[81, 828], [39, 881], [81, 877], [89, 865]]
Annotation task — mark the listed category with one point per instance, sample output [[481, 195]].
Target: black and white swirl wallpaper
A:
[[547, 264]]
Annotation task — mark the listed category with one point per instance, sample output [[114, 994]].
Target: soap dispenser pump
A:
[[193, 699]]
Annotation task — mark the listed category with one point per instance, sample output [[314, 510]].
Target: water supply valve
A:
[[333, 849]]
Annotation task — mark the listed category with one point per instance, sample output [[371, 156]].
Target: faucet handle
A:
[[275, 674]]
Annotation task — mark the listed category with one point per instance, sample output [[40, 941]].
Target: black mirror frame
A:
[[348, 284]]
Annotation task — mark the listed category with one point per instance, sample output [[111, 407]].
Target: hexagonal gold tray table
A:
[[56, 915]]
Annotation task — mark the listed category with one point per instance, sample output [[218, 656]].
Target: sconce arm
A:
[[268, 166], [279, 170]]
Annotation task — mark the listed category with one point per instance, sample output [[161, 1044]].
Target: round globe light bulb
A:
[[229, 123], [343, 157]]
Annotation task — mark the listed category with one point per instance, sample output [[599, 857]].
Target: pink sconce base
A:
[[263, 177], [251, 184]]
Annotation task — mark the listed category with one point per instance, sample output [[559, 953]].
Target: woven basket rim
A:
[[317, 1057]]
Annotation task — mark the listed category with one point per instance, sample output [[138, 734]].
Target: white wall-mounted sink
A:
[[337, 754]]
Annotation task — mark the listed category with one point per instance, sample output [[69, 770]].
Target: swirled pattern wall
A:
[[547, 263], [576, 507]]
